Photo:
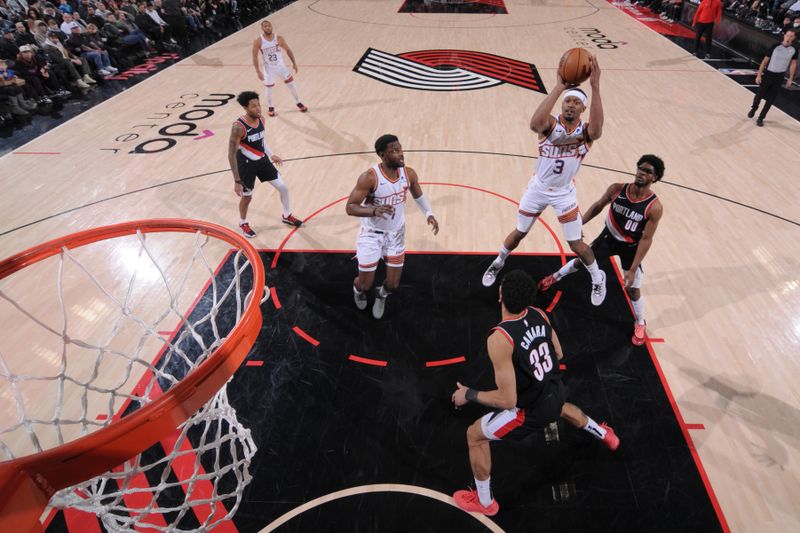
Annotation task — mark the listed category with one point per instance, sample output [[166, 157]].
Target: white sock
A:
[[279, 184], [501, 257], [242, 221], [570, 268], [594, 271], [484, 491], [293, 87], [382, 292], [638, 309], [269, 97], [357, 291], [595, 430]]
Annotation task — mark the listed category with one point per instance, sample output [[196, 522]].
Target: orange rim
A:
[[27, 483]]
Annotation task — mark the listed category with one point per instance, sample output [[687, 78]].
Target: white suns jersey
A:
[[560, 155], [387, 192], [271, 51]]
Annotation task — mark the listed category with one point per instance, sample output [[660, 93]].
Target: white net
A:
[[97, 332]]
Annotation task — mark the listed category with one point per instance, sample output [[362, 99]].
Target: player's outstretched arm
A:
[[597, 207], [422, 202], [595, 126]]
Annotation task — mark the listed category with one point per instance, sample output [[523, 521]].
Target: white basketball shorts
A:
[[371, 245], [565, 202]]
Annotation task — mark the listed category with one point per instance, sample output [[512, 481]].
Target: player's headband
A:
[[580, 95]]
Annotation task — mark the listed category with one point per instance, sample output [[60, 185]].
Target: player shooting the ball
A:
[[563, 143]]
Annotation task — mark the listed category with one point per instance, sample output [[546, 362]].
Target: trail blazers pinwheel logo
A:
[[448, 70]]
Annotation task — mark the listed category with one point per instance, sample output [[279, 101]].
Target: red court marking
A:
[[101, 416], [274, 298], [554, 302], [306, 336], [695, 426], [684, 428], [408, 252], [36, 153], [81, 521], [166, 333], [651, 339], [443, 362], [562, 367], [254, 363], [367, 361]]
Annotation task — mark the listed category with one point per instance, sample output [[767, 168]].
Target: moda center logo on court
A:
[[448, 70], [593, 37]]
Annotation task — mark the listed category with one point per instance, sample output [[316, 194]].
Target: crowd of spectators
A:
[[54, 50]]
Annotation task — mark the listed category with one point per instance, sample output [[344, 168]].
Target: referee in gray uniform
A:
[[770, 74]]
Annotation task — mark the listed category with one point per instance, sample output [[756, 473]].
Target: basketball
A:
[[574, 66]]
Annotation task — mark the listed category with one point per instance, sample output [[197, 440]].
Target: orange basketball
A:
[[574, 66]]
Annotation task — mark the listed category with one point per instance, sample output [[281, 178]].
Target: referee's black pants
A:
[[771, 83]]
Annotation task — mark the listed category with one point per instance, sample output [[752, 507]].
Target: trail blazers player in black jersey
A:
[[631, 224], [525, 352], [250, 157]]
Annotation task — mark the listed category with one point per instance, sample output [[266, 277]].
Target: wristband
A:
[[471, 395]]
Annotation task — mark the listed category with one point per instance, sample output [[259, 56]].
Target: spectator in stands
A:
[[193, 16], [22, 36], [119, 34], [173, 16], [40, 33], [93, 18], [38, 83], [5, 11], [708, 13], [58, 54], [8, 48], [155, 31], [54, 27], [76, 18], [51, 13], [771, 73], [64, 6], [83, 8], [78, 45], [102, 10], [32, 16], [12, 93], [66, 26]]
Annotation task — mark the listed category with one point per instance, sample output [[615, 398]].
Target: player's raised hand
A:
[[594, 77]]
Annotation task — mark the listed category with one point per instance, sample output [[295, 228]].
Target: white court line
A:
[[381, 487]]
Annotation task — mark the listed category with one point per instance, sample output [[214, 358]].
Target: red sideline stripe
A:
[[36, 153], [274, 298], [562, 367], [651, 339], [443, 362], [254, 363], [81, 521], [554, 302], [695, 426], [367, 361], [684, 429], [306, 336]]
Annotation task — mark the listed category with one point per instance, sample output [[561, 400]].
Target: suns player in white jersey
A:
[[379, 198], [270, 46], [563, 143]]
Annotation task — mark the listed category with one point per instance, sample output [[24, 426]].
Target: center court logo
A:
[[448, 70]]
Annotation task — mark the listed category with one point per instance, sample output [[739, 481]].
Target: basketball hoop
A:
[[180, 384]]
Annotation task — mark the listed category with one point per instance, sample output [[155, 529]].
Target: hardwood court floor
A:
[[721, 283]]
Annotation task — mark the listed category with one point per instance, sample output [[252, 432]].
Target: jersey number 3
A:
[[559, 166], [541, 362]]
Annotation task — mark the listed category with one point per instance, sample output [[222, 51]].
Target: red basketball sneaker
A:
[[292, 221], [546, 283], [610, 440], [469, 501], [247, 230], [271, 112], [639, 331], [301, 107]]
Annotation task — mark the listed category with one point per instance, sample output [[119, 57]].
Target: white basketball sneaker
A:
[[360, 299], [490, 276], [599, 290]]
